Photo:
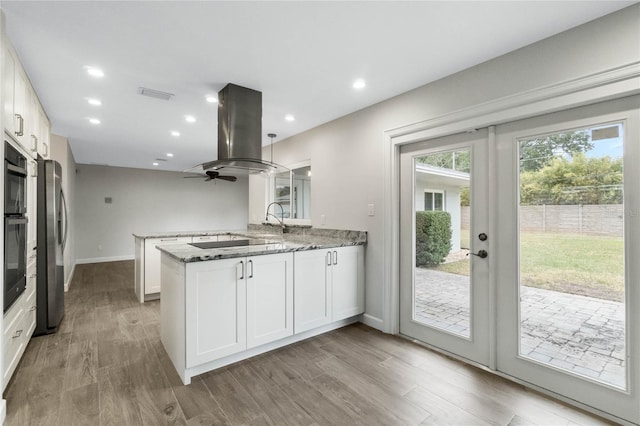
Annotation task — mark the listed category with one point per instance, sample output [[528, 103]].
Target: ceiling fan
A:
[[211, 175]]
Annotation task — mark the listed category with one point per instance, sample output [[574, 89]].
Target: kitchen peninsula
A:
[[227, 301]]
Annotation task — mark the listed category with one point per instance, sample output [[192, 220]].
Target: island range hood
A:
[[240, 134]]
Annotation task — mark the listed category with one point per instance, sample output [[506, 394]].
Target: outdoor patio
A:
[[581, 334]]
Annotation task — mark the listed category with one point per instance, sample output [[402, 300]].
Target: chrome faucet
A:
[[281, 221]]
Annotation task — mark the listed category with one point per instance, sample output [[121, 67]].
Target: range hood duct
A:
[[240, 133]]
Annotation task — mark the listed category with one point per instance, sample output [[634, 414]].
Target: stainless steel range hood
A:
[[240, 134]]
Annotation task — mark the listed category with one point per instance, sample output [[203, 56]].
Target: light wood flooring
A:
[[107, 366]]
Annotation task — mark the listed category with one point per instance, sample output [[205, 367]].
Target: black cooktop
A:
[[230, 243]]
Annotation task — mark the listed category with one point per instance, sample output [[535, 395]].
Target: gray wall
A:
[[61, 152], [347, 154], [146, 201]]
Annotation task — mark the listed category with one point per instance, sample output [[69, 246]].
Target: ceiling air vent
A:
[[155, 93]]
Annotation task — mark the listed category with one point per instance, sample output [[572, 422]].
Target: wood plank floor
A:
[[107, 366]]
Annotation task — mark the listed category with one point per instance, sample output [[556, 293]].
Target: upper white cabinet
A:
[[16, 96], [329, 286], [24, 117]]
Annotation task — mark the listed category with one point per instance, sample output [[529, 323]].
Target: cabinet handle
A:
[[21, 120], [34, 143], [33, 275], [46, 149], [335, 257], [328, 258], [33, 308], [18, 334], [251, 273], [168, 239], [242, 269]]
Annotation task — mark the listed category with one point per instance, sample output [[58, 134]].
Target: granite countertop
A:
[[277, 243], [172, 234]]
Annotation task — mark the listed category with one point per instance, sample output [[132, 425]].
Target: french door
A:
[[568, 244], [536, 274], [444, 295]]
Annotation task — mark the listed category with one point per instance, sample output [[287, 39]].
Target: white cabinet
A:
[[152, 261], [329, 286], [312, 289], [237, 304], [347, 282], [16, 104], [216, 310], [269, 298], [32, 208]]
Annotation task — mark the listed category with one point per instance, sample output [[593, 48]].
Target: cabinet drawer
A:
[[15, 340], [30, 308]]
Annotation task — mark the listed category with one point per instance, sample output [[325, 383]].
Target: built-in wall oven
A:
[[15, 225]]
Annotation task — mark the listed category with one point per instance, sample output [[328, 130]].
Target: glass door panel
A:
[[444, 290], [571, 236], [568, 240]]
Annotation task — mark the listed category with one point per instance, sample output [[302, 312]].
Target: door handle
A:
[[482, 254]]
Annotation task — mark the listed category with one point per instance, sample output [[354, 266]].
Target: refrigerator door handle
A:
[[66, 223]]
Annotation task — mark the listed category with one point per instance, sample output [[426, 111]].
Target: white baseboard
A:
[[3, 411], [67, 283], [372, 321], [104, 259]]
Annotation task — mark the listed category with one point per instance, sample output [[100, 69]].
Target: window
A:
[[433, 200], [292, 190]]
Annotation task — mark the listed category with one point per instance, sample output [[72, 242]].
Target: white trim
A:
[[605, 85], [104, 259], [373, 322], [3, 411], [67, 284]]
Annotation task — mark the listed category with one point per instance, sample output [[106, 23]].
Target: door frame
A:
[[605, 85]]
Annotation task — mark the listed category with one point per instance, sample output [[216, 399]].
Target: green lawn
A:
[[578, 264]]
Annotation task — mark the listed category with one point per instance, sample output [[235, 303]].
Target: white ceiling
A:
[[303, 57]]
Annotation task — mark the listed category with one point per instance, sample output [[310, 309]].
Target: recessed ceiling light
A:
[[94, 121], [174, 133], [189, 119], [359, 84], [155, 164], [169, 154], [289, 117], [95, 102], [95, 72], [211, 99]]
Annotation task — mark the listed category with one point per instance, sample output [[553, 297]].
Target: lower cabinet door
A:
[[152, 261], [347, 275], [269, 298], [216, 315], [312, 289]]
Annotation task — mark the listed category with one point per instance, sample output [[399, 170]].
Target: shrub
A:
[[433, 237]]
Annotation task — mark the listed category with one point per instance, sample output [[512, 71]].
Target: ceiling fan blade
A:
[[194, 177], [228, 178], [208, 179]]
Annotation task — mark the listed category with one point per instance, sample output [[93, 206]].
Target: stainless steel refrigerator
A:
[[52, 235]]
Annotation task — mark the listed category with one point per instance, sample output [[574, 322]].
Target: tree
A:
[[581, 180], [540, 151]]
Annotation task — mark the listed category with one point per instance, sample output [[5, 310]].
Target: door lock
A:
[[482, 254]]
